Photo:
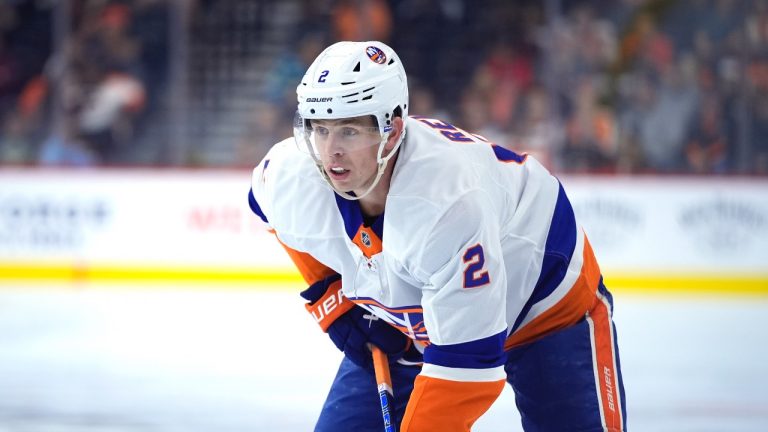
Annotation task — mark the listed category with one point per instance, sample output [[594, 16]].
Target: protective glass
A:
[[313, 136]]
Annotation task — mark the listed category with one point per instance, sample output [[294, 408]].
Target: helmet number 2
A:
[[322, 76], [475, 274]]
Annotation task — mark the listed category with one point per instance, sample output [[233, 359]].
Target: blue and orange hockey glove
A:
[[350, 327]]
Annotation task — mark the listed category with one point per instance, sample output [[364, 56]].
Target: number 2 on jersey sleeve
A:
[[475, 274]]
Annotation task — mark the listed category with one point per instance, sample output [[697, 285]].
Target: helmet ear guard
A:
[[353, 79]]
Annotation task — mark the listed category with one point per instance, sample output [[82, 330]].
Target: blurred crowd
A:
[[78, 100], [608, 86]]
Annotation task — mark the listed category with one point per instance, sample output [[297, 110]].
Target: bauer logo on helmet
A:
[[319, 99]]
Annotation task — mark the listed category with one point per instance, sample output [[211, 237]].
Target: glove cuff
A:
[[313, 293], [330, 306]]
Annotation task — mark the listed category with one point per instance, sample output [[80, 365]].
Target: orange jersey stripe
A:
[[311, 269], [569, 310], [448, 406]]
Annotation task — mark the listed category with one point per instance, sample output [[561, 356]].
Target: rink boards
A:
[[661, 234]]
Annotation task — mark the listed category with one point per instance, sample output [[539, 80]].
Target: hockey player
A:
[[459, 258]]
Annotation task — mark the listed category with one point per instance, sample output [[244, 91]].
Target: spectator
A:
[[665, 120], [15, 146], [10, 75], [104, 39], [538, 133], [279, 86], [263, 129], [66, 147], [474, 114], [361, 20], [428, 39], [648, 46], [106, 62], [591, 140], [149, 28], [504, 76], [706, 151], [423, 102], [759, 127], [107, 118]]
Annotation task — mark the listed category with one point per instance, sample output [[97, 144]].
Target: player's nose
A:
[[333, 146]]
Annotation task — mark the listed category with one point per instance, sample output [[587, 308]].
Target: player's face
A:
[[347, 149]]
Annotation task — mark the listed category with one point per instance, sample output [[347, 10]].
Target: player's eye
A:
[[321, 130], [349, 132]]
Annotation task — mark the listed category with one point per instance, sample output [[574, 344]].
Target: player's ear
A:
[[394, 136]]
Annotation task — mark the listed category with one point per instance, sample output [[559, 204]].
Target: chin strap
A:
[[346, 195]]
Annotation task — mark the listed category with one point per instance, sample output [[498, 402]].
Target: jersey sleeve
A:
[[464, 311], [264, 188], [311, 269], [260, 193], [255, 207]]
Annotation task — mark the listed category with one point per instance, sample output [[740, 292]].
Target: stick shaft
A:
[[384, 383]]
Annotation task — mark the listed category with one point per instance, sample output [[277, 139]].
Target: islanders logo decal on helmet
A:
[[376, 55]]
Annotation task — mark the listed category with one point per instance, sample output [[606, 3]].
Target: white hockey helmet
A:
[[353, 79]]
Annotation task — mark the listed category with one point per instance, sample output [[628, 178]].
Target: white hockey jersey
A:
[[477, 251]]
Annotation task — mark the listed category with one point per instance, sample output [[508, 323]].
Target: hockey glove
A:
[[350, 327]]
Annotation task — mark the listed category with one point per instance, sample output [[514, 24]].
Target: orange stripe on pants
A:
[[604, 363]]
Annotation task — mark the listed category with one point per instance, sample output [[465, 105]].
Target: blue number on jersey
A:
[[474, 275], [448, 130]]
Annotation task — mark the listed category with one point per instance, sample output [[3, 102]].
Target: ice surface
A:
[[124, 359]]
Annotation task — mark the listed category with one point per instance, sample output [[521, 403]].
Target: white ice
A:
[[120, 359]]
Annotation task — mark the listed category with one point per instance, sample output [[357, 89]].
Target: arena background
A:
[[137, 292]]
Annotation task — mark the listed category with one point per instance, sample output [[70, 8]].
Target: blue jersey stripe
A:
[[255, 206], [506, 155], [350, 213], [561, 241], [353, 217], [479, 354]]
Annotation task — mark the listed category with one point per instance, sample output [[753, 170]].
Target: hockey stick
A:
[[384, 382]]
